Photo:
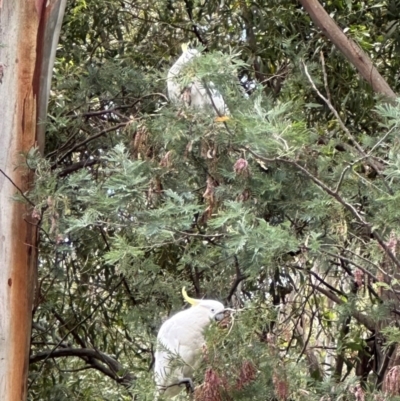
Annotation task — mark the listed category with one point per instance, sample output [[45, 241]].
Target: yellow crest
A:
[[189, 300], [184, 47]]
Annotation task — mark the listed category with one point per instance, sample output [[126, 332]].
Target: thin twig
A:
[[91, 138], [361, 257], [333, 110], [344, 128], [196, 234], [238, 279], [325, 75], [351, 262], [39, 371], [113, 110], [336, 196], [360, 159], [17, 187], [321, 280], [380, 141], [319, 183], [342, 177], [363, 319], [359, 266]]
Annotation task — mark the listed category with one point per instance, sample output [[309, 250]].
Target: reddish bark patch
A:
[[39, 6]]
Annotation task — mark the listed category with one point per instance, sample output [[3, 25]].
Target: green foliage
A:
[[276, 212]]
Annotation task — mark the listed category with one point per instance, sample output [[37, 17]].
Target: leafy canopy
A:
[[284, 211]]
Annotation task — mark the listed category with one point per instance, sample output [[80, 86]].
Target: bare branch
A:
[[238, 279], [346, 130], [348, 47], [77, 166], [363, 319], [17, 188], [325, 75], [92, 357], [91, 138], [336, 196], [75, 327]]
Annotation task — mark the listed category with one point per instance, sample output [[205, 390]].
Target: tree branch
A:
[[17, 188], [318, 182], [348, 133], [91, 138], [75, 327], [363, 319], [336, 196], [77, 166], [195, 28], [348, 47], [92, 357], [238, 279]]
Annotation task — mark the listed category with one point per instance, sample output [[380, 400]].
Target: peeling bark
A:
[[28, 35]]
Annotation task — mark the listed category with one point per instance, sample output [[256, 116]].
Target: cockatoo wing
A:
[[174, 91], [178, 335], [200, 97], [194, 95], [179, 344]]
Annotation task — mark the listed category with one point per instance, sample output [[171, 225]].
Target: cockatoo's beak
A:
[[221, 315]]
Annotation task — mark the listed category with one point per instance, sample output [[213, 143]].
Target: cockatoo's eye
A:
[[212, 310]]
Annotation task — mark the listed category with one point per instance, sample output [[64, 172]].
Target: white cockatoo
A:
[[179, 345], [195, 94]]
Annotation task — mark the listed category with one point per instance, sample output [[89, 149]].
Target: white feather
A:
[[198, 95], [179, 345]]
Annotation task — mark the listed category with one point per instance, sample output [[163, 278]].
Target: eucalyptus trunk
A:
[[29, 33]]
